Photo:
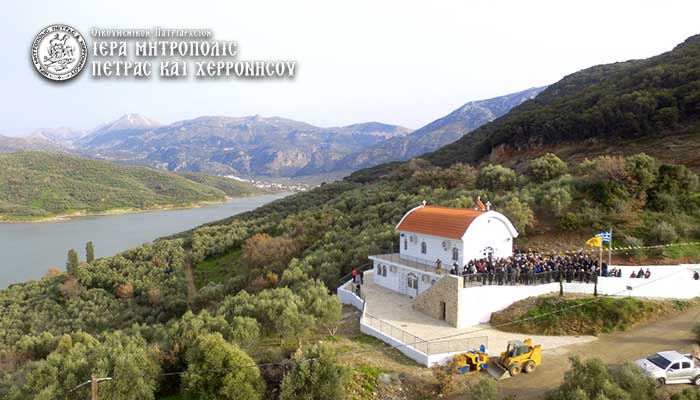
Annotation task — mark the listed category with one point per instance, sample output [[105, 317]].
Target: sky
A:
[[399, 62]]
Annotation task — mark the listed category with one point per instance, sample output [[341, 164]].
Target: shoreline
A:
[[123, 211]]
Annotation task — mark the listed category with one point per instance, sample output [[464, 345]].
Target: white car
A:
[[668, 367]]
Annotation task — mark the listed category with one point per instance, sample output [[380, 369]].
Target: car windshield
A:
[[659, 361]]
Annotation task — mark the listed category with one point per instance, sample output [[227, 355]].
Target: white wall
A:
[[394, 275], [487, 231], [390, 281], [478, 302], [408, 350], [434, 248], [348, 297], [666, 282]]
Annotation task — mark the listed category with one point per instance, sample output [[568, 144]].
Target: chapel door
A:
[[412, 282], [402, 283]]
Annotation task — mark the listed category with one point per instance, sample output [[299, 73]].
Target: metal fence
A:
[[457, 345], [410, 261], [527, 278], [424, 346]]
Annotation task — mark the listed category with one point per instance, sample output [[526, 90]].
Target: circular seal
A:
[[59, 52]]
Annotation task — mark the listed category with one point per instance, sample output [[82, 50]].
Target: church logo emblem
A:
[[59, 52]]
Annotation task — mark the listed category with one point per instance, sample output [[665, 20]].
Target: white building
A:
[[451, 235]]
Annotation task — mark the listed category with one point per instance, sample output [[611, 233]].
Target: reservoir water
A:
[[27, 250]]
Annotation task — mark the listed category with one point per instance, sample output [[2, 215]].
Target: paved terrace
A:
[[397, 310]]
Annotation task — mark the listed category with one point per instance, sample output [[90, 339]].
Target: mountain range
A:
[[262, 146], [438, 133], [650, 105]]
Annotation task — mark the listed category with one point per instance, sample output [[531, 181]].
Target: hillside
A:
[[29, 143], [232, 187], [252, 146], [438, 133], [650, 105], [37, 185]]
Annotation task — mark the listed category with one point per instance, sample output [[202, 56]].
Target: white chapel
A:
[[451, 235]]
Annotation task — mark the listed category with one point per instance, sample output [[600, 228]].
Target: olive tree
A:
[[220, 370]]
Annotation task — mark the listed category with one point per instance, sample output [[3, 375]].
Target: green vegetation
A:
[[76, 356], [38, 185], [218, 268], [592, 379], [231, 187], [264, 276], [236, 376], [581, 315], [626, 107], [316, 377]]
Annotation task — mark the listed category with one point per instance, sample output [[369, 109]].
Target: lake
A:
[[27, 250]]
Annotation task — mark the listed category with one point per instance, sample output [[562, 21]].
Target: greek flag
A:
[[605, 236]]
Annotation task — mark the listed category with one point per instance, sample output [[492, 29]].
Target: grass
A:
[[582, 316], [217, 269], [365, 382]]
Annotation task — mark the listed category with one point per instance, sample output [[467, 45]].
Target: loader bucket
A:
[[497, 371]]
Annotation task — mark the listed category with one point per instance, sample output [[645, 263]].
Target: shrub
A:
[[496, 178], [315, 379], [445, 377], [663, 233], [556, 199], [546, 168], [686, 394], [592, 380], [520, 214], [485, 389]]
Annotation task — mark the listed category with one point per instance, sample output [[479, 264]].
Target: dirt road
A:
[[676, 333]]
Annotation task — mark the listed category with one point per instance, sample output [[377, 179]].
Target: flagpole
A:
[[610, 248]]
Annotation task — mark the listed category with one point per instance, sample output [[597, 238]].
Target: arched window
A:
[[423, 248], [405, 243], [455, 254], [384, 270], [412, 281]]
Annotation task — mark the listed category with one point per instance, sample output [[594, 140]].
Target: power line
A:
[[440, 338], [437, 339]]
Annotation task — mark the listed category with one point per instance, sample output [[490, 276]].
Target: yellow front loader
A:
[[520, 355]]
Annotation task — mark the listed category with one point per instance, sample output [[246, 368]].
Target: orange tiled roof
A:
[[439, 221]]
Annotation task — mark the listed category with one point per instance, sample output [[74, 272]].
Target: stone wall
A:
[[447, 289]]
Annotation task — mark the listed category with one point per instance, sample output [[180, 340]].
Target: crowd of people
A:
[[532, 268]]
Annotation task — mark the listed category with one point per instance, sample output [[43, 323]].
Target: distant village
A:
[[287, 185]]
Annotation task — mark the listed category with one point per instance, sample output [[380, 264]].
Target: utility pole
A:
[[93, 384]]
